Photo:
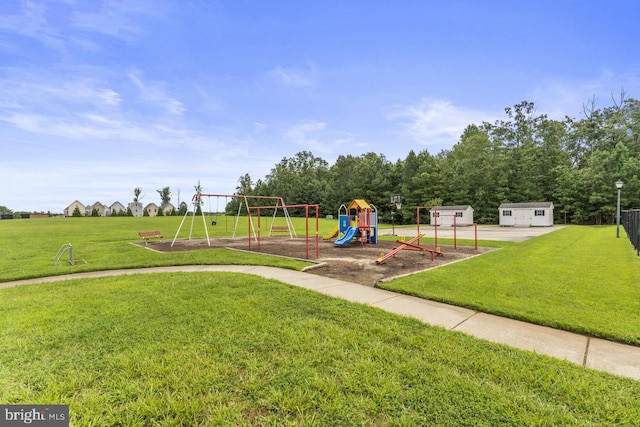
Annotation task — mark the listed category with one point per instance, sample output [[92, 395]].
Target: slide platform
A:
[[348, 236]]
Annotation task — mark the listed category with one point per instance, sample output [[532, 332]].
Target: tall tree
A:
[[165, 196], [302, 179]]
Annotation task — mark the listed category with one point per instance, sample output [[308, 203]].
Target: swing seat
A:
[[280, 229]]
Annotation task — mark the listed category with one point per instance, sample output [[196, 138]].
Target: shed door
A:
[[523, 217]]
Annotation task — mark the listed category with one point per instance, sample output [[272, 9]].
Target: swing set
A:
[[254, 232], [289, 227]]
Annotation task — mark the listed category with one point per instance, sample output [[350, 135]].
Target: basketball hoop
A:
[[396, 199]]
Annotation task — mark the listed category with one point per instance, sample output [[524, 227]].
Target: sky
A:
[[100, 97]]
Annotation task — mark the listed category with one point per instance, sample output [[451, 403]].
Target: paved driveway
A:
[[485, 232]]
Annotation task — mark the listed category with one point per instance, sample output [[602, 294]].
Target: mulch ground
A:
[[354, 262]]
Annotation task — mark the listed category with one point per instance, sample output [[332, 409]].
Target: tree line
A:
[[524, 157]]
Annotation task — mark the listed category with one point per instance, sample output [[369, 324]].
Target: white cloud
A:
[[60, 24], [436, 122], [32, 22], [120, 19], [307, 135], [153, 92], [259, 127], [33, 92], [316, 136], [563, 97], [294, 77]]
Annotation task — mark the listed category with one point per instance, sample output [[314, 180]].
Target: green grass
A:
[[29, 246], [228, 349], [579, 279]]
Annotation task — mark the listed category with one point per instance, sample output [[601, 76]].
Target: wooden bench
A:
[[147, 235]]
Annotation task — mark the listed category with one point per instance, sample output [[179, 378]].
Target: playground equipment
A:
[[289, 227], [364, 225], [414, 243], [64, 248], [67, 247], [334, 233], [410, 245], [197, 201]]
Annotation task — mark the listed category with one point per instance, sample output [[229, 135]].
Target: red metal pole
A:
[[249, 226], [418, 221], [258, 229], [475, 227], [306, 220], [435, 225], [454, 232], [317, 234]]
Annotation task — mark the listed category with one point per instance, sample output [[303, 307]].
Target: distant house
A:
[[136, 208], [450, 215], [152, 209], [68, 211], [116, 208], [99, 208], [526, 214], [168, 209]]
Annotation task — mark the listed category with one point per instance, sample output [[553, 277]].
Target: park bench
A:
[[147, 235]]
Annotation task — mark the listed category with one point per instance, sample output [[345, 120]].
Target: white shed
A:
[[526, 214], [447, 215]]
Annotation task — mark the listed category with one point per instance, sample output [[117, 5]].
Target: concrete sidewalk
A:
[[593, 353]]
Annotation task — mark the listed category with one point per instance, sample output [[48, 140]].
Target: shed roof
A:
[[536, 205], [453, 208]]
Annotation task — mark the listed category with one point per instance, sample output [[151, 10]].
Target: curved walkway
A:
[[615, 358]]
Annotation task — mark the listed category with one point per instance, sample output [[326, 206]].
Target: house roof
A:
[[539, 205], [453, 208]]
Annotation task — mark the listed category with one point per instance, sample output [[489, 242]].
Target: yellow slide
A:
[[331, 235]]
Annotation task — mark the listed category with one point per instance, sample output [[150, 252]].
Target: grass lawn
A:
[[228, 349], [231, 349], [29, 246], [580, 279]]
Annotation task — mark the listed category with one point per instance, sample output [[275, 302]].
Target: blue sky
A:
[[100, 97]]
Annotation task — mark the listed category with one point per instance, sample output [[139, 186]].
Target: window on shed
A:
[[458, 214], [539, 212], [506, 213]]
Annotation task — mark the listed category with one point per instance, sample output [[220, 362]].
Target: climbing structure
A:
[[358, 221]]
